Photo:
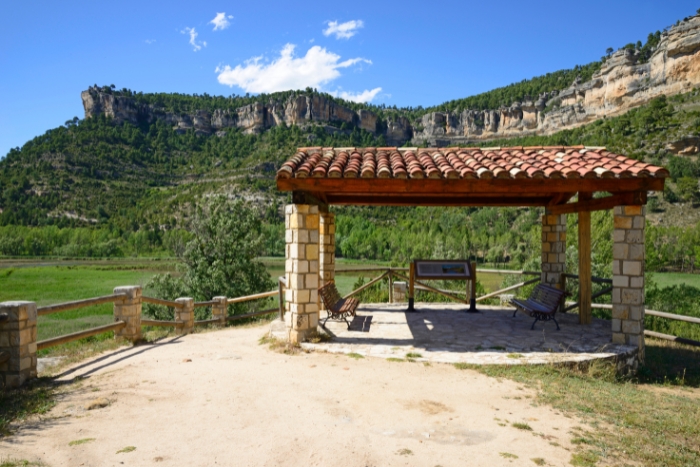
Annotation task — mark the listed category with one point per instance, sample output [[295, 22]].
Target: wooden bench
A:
[[542, 304], [338, 308]]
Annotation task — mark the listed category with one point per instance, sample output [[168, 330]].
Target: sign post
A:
[[443, 270]]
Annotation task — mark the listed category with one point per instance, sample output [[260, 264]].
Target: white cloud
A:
[[363, 97], [221, 21], [343, 30], [193, 39], [149, 41], [316, 68]]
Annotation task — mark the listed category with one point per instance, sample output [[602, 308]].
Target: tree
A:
[[609, 51], [221, 258]]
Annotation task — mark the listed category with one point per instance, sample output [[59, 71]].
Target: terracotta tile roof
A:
[[535, 162]]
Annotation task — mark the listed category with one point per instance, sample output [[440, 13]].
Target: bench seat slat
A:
[[542, 303]]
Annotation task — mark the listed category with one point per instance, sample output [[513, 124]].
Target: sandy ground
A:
[[219, 398]]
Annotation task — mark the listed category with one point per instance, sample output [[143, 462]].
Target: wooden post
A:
[[584, 262], [280, 292], [391, 287], [472, 298], [412, 278], [562, 286]]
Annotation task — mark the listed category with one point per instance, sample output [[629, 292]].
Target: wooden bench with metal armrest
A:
[[542, 304], [338, 308]]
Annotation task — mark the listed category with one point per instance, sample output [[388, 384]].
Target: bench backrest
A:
[[329, 295], [547, 296]]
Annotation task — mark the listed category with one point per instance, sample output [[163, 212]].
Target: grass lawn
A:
[[56, 284], [667, 279], [650, 420]]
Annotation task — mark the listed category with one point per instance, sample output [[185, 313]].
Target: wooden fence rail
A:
[[79, 335], [157, 322], [160, 301], [250, 315], [47, 310], [252, 297]]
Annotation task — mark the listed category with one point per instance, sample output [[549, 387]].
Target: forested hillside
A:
[[93, 188]]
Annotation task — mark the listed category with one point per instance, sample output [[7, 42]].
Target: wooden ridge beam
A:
[[635, 198]]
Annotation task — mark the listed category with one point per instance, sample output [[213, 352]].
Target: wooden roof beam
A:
[[636, 198]]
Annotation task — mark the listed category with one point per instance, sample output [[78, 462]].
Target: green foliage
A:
[[220, 260]]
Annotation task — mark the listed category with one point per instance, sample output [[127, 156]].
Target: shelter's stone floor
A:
[[445, 333]]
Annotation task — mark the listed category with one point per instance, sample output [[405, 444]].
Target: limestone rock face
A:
[[621, 84]]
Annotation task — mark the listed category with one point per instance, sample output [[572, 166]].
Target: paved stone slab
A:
[[445, 333]]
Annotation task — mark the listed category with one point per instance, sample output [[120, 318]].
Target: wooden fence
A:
[[117, 325], [390, 273]]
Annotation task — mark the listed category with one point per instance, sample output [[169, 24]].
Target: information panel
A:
[[434, 269], [443, 270]]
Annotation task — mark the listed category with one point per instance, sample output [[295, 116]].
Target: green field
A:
[[50, 282], [667, 279]]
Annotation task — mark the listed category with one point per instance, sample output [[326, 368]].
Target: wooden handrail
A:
[[79, 335], [680, 340], [373, 269], [599, 280], [573, 305], [207, 303], [250, 315], [363, 287], [433, 289], [660, 314], [252, 297], [202, 322], [509, 271], [160, 301], [512, 287], [47, 310], [157, 322]]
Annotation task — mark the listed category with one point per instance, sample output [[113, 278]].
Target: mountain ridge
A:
[[626, 79]]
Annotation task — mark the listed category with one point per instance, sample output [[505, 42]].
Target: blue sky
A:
[[404, 53]]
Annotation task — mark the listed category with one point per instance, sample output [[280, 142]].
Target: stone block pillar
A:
[[326, 245], [628, 277], [129, 311], [17, 343], [301, 270], [184, 315], [553, 248], [219, 311]]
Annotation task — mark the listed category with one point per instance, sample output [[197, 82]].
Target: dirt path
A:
[[219, 398]]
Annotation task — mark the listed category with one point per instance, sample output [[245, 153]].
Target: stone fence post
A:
[[219, 311], [129, 311], [17, 343], [184, 315]]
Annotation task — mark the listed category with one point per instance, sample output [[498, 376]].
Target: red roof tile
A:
[[550, 162]]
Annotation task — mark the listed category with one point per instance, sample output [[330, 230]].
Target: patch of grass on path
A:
[[9, 462], [644, 425], [78, 442]]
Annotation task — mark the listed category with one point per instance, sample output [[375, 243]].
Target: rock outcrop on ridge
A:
[[621, 84]]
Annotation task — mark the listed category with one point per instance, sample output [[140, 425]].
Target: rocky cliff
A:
[[620, 84]]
